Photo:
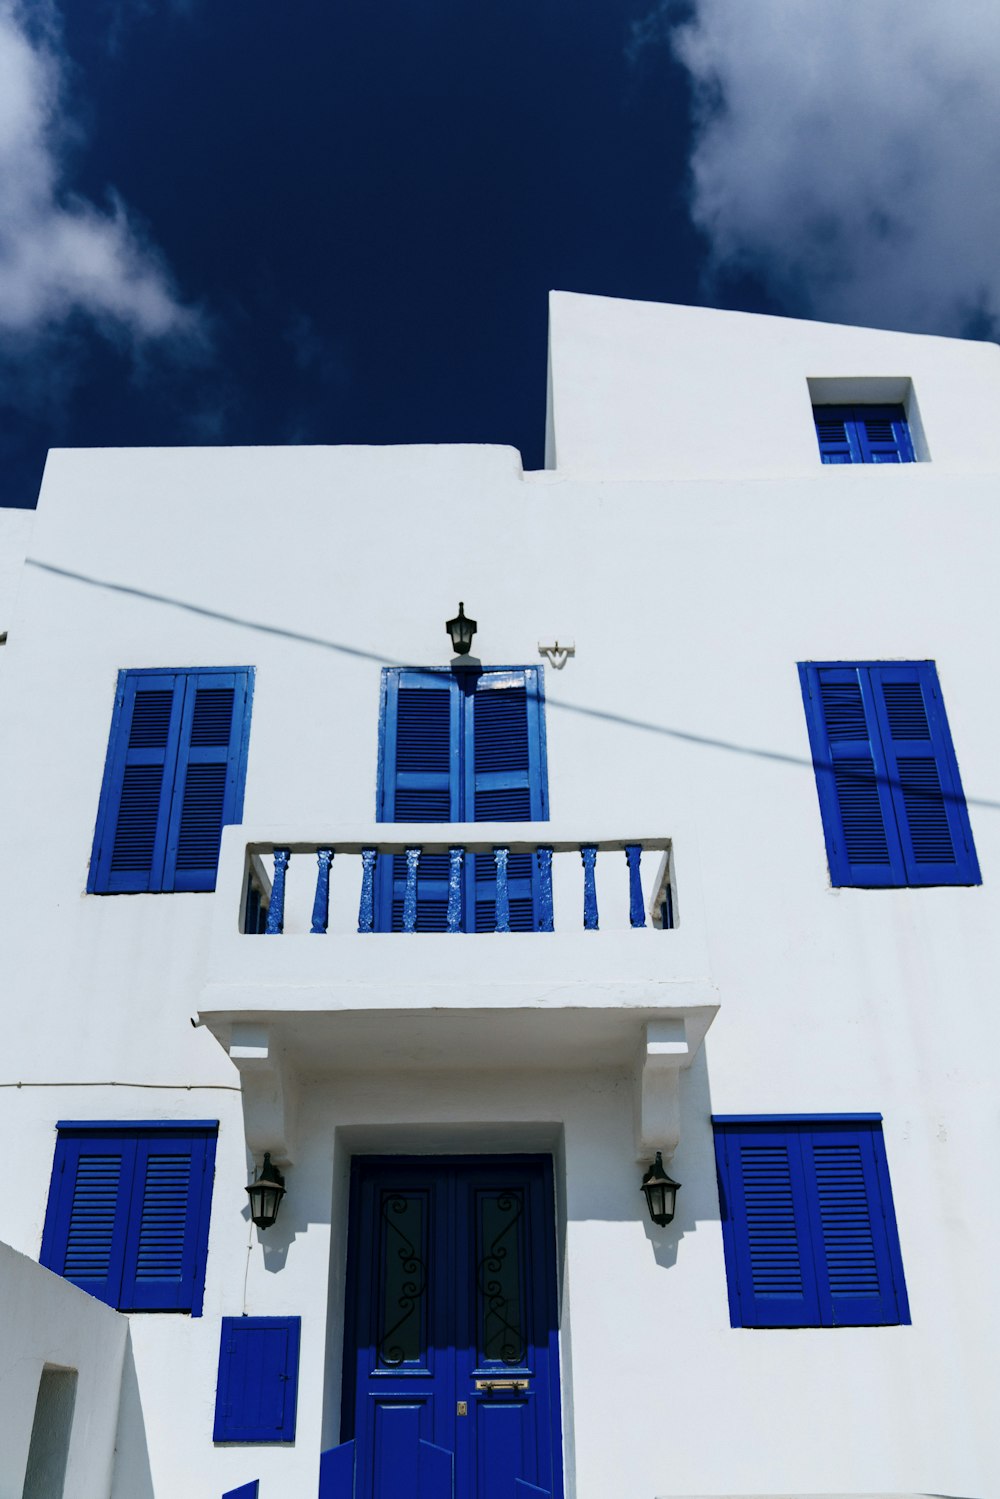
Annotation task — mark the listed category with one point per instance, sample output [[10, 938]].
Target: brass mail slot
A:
[[489, 1385]]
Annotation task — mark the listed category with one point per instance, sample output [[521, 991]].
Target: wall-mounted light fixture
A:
[[461, 631], [265, 1193], [661, 1193]]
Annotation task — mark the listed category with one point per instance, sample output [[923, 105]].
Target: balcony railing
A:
[[455, 878]]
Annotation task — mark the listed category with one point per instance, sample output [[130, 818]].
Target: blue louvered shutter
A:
[[855, 1272], [420, 782], [130, 843], [168, 1223], [765, 1216], [207, 788], [504, 782], [851, 777], [258, 1379], [85, 1225], [863, 434], [930, 808], [174, 776]]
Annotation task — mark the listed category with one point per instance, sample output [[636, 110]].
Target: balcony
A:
[[437, 945]]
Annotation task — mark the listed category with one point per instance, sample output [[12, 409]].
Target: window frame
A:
[[902, 870], [744, 1308], [100, 877], [201, 1136]]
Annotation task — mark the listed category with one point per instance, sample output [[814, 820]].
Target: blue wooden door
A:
[[451, 1365]]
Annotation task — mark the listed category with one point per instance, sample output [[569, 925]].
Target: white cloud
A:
[[60, 254], [848, 153]]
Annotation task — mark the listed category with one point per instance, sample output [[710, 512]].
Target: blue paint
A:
[[321, 900], [410, 895], [454, 916], [887, 778], [451, 1278], [808, 1225], [500, 856], [460, 746], [863, 434], [636, 906], [366, 907], [173, 778], [245, 1491], [128, 1213], [257, 1386], [336, 1472], [589, 857], [546, 919], [276, 910]]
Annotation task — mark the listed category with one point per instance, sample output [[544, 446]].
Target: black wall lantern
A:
[[461, 631], [265, 1193], [661, 1193]]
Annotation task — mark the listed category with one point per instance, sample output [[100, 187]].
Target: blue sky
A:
[[239, 221]]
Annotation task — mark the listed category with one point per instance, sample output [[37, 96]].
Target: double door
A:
[[451, 1355]]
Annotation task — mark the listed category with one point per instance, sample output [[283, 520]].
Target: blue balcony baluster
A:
[[321, 901], [546, 921], [410, 897], [503, 902], [276, 910], [589, 857], [636, 908], [455, 856], [366, 908]]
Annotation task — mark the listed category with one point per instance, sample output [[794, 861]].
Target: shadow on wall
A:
[[132, 1478]]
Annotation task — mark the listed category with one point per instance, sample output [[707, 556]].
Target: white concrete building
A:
[[465, 1294]]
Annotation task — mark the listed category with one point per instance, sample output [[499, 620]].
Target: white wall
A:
[[690, 599], [46, 1321]]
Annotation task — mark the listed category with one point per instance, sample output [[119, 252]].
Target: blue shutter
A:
[[174, 776], [504, 782], [258, 1379], [808, 1224], [855, 798], [168, 1224], [84, 1235], [889, 789], [128, 1213], [863, 434], [766, 1229], [923, 775]]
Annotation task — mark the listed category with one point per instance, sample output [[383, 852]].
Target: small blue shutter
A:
[[128, 1214], [808, 1224], [863, 434], [258, 1379], [504, 783], [85, 1225], [886, 775], [173, 778]]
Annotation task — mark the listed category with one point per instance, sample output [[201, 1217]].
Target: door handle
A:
[[489, 1385]]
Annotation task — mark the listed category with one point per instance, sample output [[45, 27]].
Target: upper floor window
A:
[[889, 790], [461, 746], [128, 1212], [863, 434], [807, 1222], [173, 778]]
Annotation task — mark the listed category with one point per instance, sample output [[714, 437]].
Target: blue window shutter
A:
[[930, 809], [852, 781], [766, 1229], [863, 434], [128, 1213], [504, 781], [258, 1379], [808, 1225], [174, 776], [84, 1235]]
